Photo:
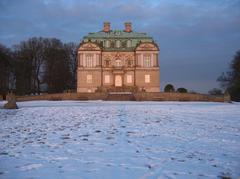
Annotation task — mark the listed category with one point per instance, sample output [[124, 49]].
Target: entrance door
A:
[[118, 80]]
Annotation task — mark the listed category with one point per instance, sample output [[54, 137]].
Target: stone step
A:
[[120, 97]]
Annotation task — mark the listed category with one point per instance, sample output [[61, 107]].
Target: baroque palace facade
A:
[[118, 60]]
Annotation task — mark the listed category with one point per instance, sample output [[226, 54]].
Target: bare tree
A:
[[30, 55], [57, 73], [6, 70], [71, 49]]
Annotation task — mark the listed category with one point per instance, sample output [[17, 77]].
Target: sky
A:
[[197, 38]]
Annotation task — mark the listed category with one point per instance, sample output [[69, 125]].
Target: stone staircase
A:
[[120, 96]]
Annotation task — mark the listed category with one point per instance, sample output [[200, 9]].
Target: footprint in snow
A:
[[66, 136], [109, 138]]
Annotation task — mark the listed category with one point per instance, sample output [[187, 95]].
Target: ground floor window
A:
[[147, 78], [107, 78], [89, 78]]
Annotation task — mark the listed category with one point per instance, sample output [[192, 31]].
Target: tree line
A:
[[38, 65]]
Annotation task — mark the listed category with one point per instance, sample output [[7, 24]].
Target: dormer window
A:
[[107, 43], [129, 43], [118, 43]]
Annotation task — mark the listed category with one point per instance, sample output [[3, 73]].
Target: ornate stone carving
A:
[[89, 47], [147, 46]]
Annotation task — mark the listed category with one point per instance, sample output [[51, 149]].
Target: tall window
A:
[[147, 60], [107, 78], [89, 60], [107, 62], [129, 62], [147, 78], [89, 78]]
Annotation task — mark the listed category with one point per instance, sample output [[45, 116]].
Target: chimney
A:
[[106, 27], [128, 27]]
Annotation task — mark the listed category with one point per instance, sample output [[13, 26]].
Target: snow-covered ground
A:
[[72, 139]]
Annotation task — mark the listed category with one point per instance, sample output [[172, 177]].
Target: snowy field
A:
[[72, 139]]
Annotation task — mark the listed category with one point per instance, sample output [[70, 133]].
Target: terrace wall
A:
[[162, 96], [139, 96]]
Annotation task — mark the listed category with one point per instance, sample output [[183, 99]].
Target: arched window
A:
[[118, 43]]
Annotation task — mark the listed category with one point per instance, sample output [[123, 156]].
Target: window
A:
[[118, 44], [89, 60], [107, 78], [107, 62], [129, 63], [147, 78], [129, 78], [147, 61], [118, 63], [107, 43], [129, 43], [89, 78]]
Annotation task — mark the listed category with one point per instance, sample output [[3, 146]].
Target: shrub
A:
[[182, 90], [169, 88]]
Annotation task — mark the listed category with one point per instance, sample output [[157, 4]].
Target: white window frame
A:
[[147, 78]]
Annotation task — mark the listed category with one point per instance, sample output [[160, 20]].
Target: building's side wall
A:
[[147, 73], [153, 85], [89, 72], [83, 85]]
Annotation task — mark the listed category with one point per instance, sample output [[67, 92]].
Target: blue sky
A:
[[197, 38]]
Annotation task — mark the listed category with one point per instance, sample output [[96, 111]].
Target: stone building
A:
[[118, 60]]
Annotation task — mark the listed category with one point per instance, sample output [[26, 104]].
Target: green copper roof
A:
[[117, 34]]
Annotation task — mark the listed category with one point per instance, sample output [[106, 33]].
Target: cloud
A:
[[197, 38]]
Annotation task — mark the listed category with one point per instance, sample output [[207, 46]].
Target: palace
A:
[[118, 60]]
